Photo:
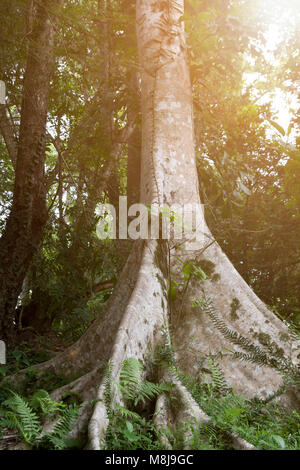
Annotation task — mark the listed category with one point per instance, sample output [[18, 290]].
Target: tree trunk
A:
[[28, 215], [137, 316]]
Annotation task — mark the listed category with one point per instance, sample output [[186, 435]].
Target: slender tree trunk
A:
[[137, 316], [28, 215]]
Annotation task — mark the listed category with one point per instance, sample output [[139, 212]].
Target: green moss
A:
[[234, 306], [284, 336], [216, 277], [264, 338]]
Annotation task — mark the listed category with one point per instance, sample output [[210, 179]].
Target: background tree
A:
[[28, 215]]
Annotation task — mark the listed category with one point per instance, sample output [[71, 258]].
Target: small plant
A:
[[18, 359], [17, 414], [266, 425], [127, 428], [129, 431], [250, 352], [26, 416], [132, 386]]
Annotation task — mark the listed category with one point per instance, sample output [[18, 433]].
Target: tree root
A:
[[135, 324]]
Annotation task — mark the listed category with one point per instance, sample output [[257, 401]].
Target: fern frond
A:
[[132, 385], [252, 352], [9, 420], [218, 378], [131, 373], [41, 399], [24, 417], [125, 413], [58, 438]]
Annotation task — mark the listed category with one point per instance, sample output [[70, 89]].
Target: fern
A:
[[131, 377], [21, 416], [127, 429], [218, 378], [252, 353], [42, 400], [58, 438], [132, 385]]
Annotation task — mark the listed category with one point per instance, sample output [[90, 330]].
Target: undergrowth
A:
[[266, 425], [27, 416]]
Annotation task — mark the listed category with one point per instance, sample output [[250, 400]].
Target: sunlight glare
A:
[[281, 17]]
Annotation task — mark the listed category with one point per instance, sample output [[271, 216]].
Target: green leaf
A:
[[199, 273], [172, 293], [187, 271], [279, 440], [129, 426], [277, 127]]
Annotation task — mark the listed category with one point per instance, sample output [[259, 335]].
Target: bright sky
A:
[[284, 104], [280, 16]]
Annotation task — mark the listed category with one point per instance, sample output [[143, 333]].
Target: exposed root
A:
[[135, 323], [94, 348], [138, 333], [163, 419], [185, 414], [195, 336], [240, 444]]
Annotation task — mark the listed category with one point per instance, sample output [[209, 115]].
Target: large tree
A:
[[162, 286]]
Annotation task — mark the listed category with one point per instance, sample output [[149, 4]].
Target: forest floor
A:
[[265, 424], [30, 348]]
